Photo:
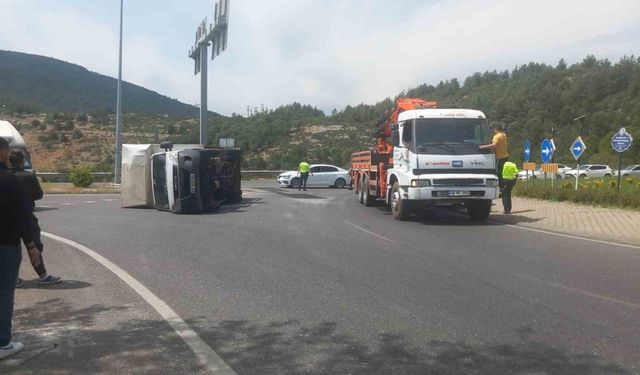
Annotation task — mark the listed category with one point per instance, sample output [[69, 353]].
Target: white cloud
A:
[[328, 53]]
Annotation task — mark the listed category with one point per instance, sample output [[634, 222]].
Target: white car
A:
[[562, 170], [320, 175], [591, 170], [631, 171]]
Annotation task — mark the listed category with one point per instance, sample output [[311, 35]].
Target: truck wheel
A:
[[399, 208], [295, 183], [361, 192], [367, 199], [479, 210]]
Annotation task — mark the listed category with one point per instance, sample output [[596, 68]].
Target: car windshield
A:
[[450, 135], [583, 167]]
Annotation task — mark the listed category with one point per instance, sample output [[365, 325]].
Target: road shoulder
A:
[[90, 323]]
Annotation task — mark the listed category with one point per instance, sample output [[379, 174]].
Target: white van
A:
[[16, 142]]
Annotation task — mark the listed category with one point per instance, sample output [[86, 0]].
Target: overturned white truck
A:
[[180, 178]]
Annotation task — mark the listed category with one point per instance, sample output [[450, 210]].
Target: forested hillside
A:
[[32, 83], [532, 101]]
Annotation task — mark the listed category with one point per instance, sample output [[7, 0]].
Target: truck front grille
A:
[[458, 182]]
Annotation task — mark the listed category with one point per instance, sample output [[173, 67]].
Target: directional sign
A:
[[546, 151], [621, 141], [527, 151], [577, 148]]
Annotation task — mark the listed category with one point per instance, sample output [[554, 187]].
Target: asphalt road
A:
[[314, 282]]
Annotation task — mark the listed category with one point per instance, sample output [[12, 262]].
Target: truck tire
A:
[[399, 207], [367, 199], [360, 192], [479, 210]]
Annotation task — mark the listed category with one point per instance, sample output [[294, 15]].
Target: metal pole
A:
[[619, 171], [577, 174], [203, 93], [118, 158]]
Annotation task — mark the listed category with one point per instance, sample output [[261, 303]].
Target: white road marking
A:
[[67, 204], [88, 201], [570, 236], [206, 356], [108, 200], [369, 232], [581, 291]]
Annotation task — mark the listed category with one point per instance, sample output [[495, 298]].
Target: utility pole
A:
[[118, 161], [215, 35]]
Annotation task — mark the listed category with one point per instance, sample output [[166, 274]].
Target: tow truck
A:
[[426, 157]]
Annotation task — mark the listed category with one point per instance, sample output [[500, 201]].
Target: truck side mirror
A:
[[395, 138]]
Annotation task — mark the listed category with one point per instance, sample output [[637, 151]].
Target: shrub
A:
[[612, 184], [628, 180], [81, 177]]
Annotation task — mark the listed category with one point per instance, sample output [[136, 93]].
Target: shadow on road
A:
[[294, 193], [42, 209], [289, 348], [64, 285], [61, 339]]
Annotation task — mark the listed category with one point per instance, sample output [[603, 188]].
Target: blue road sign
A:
[[621, 141], [546, 151], [577, 148], [527, 151]]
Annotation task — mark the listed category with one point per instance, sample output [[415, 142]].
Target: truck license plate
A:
[[459, 193]]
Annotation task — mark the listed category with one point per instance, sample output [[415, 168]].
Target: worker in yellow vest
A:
[[303, 171], [509, 178]]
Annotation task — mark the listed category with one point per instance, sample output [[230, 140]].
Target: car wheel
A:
[[583, 175], [399, 208], [295, 183], [533, 177], [559, 176], [340, 183], [607, 175]]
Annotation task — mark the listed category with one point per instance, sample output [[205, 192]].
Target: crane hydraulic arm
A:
[[385, 126]]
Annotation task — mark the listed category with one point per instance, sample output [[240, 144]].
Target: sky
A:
[[327, 53]]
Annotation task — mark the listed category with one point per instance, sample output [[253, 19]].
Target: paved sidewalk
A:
[[92, 323], [610, 224]]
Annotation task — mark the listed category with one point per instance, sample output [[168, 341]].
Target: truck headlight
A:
[[420, 183], [491, 182]]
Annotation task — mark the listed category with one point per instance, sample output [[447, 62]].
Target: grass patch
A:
[[593, 191]]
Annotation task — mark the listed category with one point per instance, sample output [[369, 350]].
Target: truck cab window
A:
[[407, 133]]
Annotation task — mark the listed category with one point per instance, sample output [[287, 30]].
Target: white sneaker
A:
[[10, 349]]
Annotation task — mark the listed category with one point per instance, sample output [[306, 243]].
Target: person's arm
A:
[[37, 189], [491, 145]]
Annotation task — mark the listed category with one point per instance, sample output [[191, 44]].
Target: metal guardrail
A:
[[108, 176]]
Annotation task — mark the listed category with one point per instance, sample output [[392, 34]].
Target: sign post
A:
[[620, 142], [525, 158], [546, 154], [577, 149]]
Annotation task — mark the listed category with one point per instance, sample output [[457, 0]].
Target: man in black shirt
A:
[[14, 225], [33, 192]]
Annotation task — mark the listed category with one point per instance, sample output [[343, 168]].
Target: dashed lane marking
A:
[[206, 356], [369, 232], [581, 291]]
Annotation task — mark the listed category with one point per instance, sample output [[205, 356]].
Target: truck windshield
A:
[[452, 136]]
